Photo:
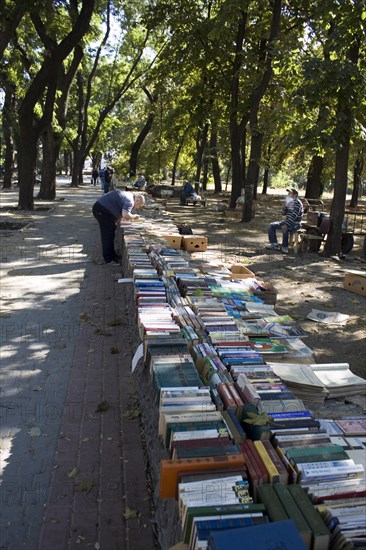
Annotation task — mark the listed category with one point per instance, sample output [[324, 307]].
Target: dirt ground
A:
[[304, 282]]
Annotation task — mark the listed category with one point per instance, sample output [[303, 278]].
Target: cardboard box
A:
[[240, 272], [355, 281], [312, 218], [268, 296], [194, 244], [237, 213], [173, 241]]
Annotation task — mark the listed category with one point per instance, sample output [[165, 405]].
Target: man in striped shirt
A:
[[293, 212]]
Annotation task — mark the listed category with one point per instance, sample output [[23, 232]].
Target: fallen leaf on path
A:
[[102, 407], [35, 432], [130, 513], [85, 485], [132, 414], [115, 323], [73, 473]]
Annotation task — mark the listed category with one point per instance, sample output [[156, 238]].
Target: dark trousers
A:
[[107, 225]]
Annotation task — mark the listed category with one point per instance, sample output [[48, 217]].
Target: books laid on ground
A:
[[302, 380], [171, 469], [273, 327], [338, 379], [352, 426], [345, 519], [327, 317], [281, 534], [292, 502]]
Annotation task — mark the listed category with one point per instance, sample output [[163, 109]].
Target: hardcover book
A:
[[279, 534], [169, 470]]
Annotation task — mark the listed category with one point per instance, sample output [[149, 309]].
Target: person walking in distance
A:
[[108, 177], [95, 175], [102, 178], [109, 210]]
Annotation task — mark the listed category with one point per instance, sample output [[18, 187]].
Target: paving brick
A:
[[58, 379]]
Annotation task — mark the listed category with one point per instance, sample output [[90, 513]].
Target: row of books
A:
[[216, 392]]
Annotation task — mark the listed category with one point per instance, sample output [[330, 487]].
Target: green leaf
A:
[[35, 432], [130, 513]]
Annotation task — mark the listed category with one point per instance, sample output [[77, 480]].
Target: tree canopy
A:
[[201, 88]]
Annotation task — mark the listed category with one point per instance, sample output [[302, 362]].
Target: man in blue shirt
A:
[[186, 192], [293, 212], [109, 210]]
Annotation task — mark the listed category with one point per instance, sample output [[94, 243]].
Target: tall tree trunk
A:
[[7, 118], [205, 173], [243, 152], [357, 173], [344, 129], [265, 58], [215, 161], [236, 128], [236, 165], [28, 140], [136, 146], [77, 167], [51, 143], [333, 243], [256, 147], [201, 140], [314, 184], [45, 82], [145, 130], [67, 162], [253, 174], [265, 181], [176, 158]]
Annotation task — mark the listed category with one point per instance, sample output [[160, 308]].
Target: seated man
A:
[[293, 212], [140, 182], [187, 192]]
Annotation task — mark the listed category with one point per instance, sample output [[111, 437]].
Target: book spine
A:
[[237, 435], [273, 473], [226, 396], [276, 461], [274, 508], [261, 469], [320, 531], [294, 513]]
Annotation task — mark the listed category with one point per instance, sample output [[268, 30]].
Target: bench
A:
[[195, 201], [303, 241]]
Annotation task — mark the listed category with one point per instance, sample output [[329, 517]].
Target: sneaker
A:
[[284, 250], [113, 262], [272, 246]]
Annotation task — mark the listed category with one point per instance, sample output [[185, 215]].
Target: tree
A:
[[44, 82], [10, 17], [136, 146]]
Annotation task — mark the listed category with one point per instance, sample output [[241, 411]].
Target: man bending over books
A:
[[109, 210], [293, 212]]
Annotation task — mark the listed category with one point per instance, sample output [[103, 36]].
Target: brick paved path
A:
[[98, 476], [72, 467]]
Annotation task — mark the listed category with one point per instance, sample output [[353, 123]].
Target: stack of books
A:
[[232, 417], [345, 519], [216, 504], [291, 502], [169, 370]]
